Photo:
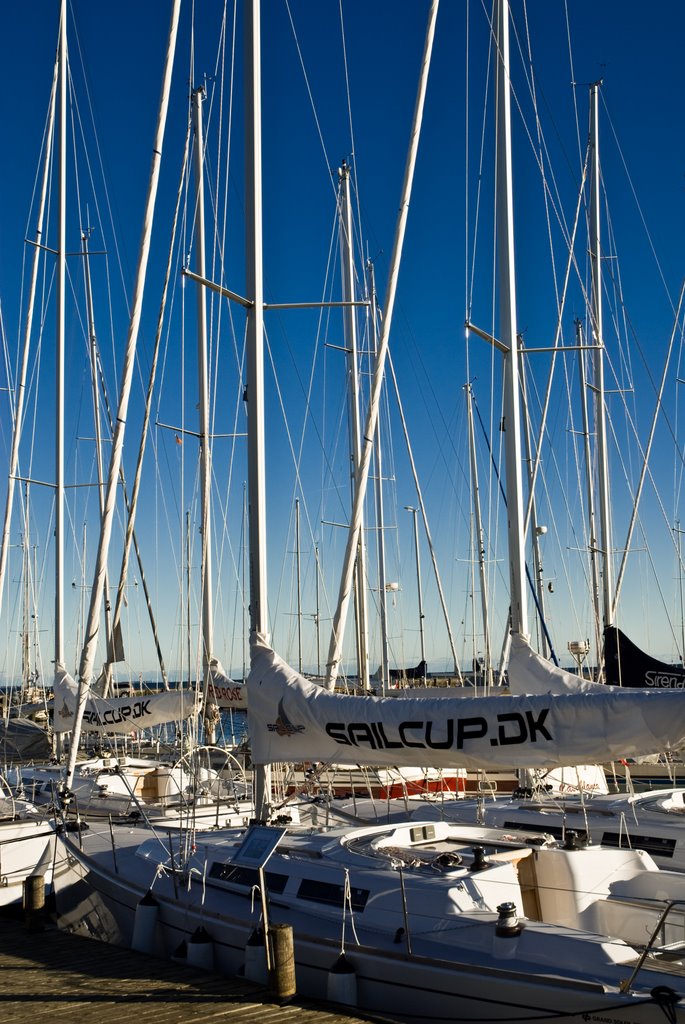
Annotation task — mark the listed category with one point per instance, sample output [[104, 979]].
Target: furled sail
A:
[[626, 665], [291, 719], [120, 714], [530, 673], [224, 691]]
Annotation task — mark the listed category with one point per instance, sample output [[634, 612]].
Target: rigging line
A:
[[349, 119], [479, 189], [557, 336], [556, 206], [554, 521], [101, 163], [647, 550], [644, 456], [637, 203], [297, 472], [646, 365], [616, 303], [426, 527], [311, 98], [219, 237], [573, 82], [541, 149], [528, 575]]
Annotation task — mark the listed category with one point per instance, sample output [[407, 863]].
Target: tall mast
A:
[[487, 653], [89, 648], [589, 484], [537, 554], [596, 320], [256, 476], [380, 518], [26, 619], [350, 334], [59, 364], [23, 370], [203, 391], [92, 339], [299, 585], [410, 508], [346, 580], [507, 326]]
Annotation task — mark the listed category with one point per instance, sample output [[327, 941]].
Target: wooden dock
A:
[[49, 975]]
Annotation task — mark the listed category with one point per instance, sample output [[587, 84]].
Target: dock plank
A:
[[52, 975]]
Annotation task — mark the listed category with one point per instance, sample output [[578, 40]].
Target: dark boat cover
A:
[[626, 665], [23, 740]]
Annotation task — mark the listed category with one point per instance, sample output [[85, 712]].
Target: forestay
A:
[[291, 719], [120, 714]]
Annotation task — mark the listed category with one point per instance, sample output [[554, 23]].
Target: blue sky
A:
[[116, 52]]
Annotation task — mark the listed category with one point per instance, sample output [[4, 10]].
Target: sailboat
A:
[[441, 929]]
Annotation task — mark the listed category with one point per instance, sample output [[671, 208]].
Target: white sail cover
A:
[[120, 714], [291, 719], [531, 673], [224, 691]]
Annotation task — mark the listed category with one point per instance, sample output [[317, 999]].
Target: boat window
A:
[[331, 894], [658, 845], [247, 876]]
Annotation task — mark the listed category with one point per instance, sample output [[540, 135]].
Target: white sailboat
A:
[[439, 931]]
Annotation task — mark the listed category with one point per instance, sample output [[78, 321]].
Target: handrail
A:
[[626, 985]]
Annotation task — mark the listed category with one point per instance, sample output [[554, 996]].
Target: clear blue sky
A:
[[636, 50]]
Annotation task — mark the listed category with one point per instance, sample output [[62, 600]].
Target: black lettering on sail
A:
[[441, 744], [535, 725], [470, 729], [515, 737], [405, 727]]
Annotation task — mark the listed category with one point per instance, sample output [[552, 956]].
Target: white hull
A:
[[458, 968], [27, 846]]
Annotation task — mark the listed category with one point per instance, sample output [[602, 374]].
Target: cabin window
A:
[[656, 845], [247, 876], [331, 894]]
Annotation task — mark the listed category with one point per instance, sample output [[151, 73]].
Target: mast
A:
[[88, 652], [507, 326], [537, 530], [380, 518], [340, 615], [26, 569], [254, 283], [59, 364], [410, 508], [318, 617], [203, 391], [350, 335], [111, 654], [299, 585], [23, 370], [487, 653], [596, 321], [592, 522]]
